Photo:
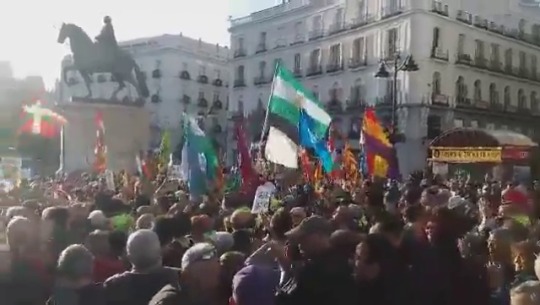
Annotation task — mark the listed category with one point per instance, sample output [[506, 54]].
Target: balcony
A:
[[495, 65], [202, 79], [495, 28], [391, 11], [316, 34], [523, 72], [357, 62], [314, 70], [202, 102], [336, 28], [439, 99], [186, 99], [359, 22], [334, 106], [261, 48], [239, 83], [334, 67], [439, 8], [356, 103], [464, 17], [480, 62], [280, 43], [217, 82], [241, 52], [297, 72], [463, 102], [480, 104], [463, 59], [185, 75], [261, 80], [480, 22], [510, 108], [439, 53], [217, 104], [298, 39]]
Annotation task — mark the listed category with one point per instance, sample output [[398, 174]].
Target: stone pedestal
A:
[[127, 132]]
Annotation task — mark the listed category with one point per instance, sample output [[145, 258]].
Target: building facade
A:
[[477, 63], [182, 74]]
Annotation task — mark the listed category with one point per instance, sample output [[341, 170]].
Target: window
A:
[[534, 102], [479, 51], [297, 62], [358, 49], [202, 70], [495, 54], [317, 23], [391, 42], [335, 54], [458, 123], [477, 90], [315, 58], [217, 73], [262, 38], [240, 43], [335, 92], [522, 60], [262, 68], [533, 65], [362, 9], [522, 99], [358, 91], [240, 72], [436, 38], [508, 59], [461, 89], [436, 83], [338, 19], [201, 95], [507, 96], [216, 96], [461, 44], [316, 91], [493, 95]]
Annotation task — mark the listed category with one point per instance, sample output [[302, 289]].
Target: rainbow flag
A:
[[377, 149]]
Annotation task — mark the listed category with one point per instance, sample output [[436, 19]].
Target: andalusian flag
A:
[[41, 121], [288, 101]]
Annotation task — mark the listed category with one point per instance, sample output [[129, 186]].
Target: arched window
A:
[[358, 92], [507, 96], [436, 83], [493, 94], [477, 90], [522, 99], [240, 72], [461, 89], [534, 102]]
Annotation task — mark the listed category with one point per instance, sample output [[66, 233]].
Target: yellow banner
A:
[[466, 155]]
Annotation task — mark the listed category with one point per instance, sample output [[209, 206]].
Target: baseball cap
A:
[[255, 285], [198, 253], [308, 226]]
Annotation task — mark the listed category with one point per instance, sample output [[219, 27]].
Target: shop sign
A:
[[466, 155]]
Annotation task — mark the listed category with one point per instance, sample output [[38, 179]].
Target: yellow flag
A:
[[380, 168]]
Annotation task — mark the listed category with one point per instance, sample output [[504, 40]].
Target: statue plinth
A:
[[127, 132]]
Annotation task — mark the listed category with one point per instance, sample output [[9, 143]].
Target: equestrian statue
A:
[[101, 56]]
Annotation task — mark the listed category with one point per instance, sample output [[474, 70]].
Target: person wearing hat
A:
[[305, 284]]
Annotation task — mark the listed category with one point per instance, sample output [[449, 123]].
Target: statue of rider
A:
[[107, 40]]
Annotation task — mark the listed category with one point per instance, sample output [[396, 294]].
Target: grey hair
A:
[[75, 262], [14, 211], [144, 249], [15, 227]]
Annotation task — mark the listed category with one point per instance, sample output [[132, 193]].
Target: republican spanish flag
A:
[[377, 149]]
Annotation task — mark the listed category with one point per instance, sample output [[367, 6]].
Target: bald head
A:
[[144, 249]]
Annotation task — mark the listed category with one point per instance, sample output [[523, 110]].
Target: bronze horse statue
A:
[[90, 58]]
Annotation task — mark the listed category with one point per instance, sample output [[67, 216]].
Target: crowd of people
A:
[[424, 241]]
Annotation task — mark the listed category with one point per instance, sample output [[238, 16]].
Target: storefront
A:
[[502, 153]]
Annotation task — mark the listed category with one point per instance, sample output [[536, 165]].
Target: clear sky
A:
[[29, 28]]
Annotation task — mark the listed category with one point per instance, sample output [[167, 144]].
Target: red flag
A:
[[306, 166], [246, 167], [100, 151]]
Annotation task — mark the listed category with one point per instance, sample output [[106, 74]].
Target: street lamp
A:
[[408, 65]]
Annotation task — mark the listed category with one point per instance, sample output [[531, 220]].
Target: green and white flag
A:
[[287, 99]]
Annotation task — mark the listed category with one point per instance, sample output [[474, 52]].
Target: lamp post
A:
[[407, 65]]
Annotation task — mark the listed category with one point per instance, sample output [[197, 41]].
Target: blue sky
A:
[[29, 28]]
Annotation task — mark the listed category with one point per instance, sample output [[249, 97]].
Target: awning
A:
[[476, 137]]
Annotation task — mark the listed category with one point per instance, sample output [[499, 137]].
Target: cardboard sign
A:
[[263, 195]]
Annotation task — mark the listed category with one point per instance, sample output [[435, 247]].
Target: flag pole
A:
[[265, 125]]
